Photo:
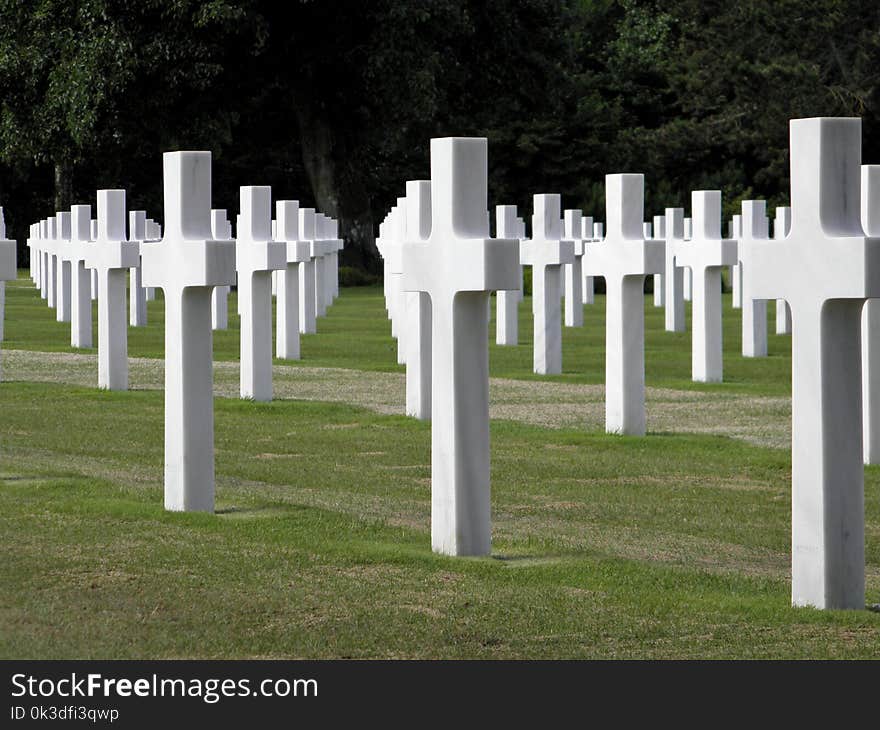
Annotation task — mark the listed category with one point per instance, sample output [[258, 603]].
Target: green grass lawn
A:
[[670, 546]]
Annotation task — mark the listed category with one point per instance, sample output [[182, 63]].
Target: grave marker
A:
[[825, 268], [457, 267], [546, 252], [256, 256], [110, 255], [186, 265], [625, 259], [705, 255]]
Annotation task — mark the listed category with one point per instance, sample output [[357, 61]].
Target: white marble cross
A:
[[825, 268], [754, 311], [307, 313], [287, 329], [674, 274], [8, 262], [137, 295], [705, 255], [625, 259], [93, 236], [507, 302], [221, 230], [659, 232], [418, 306], [51, 263], [256, 256], [736, 270], [62, 266], [399, 299], [781, 227], [80, 277], [588, 290], [546, 252], [688, 276], [186, 265], [457, 267], [110, 255], [870, 216], [574, 277]]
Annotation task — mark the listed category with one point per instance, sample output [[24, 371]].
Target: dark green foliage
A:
[[333, 103]]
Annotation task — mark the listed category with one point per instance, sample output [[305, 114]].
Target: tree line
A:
[[333, 103]]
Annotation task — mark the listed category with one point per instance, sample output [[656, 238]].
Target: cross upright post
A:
[[8, 263], [781, 227], [457, 267], [52, 261], [287, 330], [256, 256], [870, 215], [137, 295], [507, 302], [395, 253], [80, 277], [418, 307], [705, 255], [754, 311], [674, 279], [110, 256], [62, 266], [186, 265], [574, 277], [307, 314], [736, 287], [546, 252], [825, 269], [659, 232], [625, 259], [588, 289], [221, 230]]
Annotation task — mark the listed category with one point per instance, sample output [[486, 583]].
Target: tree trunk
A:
[[63, 186], [339, 191]]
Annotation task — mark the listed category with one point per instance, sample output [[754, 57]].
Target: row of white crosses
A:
[[66, 246]]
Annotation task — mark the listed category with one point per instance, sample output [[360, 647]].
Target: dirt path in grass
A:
[[762, 420]]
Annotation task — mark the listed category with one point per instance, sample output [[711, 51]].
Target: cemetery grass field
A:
[[671, 546]]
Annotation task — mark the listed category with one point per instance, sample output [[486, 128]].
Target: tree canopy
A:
[[334, 103]]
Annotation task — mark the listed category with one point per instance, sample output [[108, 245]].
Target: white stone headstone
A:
[[674, 273], [80, 277], [658, 230], [825, 269], [736, 271], [186, 265], [221, 230], [457, 267], [256, 256], [507, 302], [573, 272], [110, 255], [62, 266], [705, 255], [589, 287], [137, 295], [688, 276], [546, 252], [297, 253], [307, 314], [870, 216], [625, 259], [418, 306], [781, 227], [754, 311], [8, 262]]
